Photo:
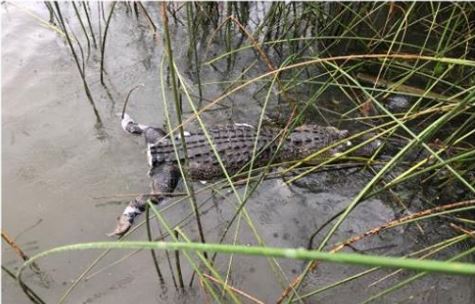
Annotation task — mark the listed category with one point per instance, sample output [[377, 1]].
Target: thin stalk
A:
[[102, 11], [15, 247], [448, 267], [104, 41], [27, 290], [431, 250], [208, 265], [171, 65], [192, 35], [84, 31], [240, 292], [85, 6], [186, 254], [154, 255], [170, 267], [81, 51], [51, 11], [81, 72], [178, 265], [99, 25], [416, 277], [149, 19]]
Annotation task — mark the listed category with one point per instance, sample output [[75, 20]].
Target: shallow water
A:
[[64, 181]]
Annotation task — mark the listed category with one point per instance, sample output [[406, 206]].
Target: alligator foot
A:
[[126, 219], [164, 180], [123, 225]]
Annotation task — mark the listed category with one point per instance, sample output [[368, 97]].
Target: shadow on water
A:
[[67, 174]]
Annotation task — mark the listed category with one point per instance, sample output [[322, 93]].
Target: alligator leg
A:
[[151, 134], [164, 181], [130, 126]]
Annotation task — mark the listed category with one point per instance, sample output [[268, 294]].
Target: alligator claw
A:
[[123, 225]]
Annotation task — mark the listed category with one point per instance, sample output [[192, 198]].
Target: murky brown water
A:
[[64, 182]]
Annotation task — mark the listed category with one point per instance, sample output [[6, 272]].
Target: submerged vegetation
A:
[[402, 73]]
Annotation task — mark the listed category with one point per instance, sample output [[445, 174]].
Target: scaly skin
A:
[[234, 144]]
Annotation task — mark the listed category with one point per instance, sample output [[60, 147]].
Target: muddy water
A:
[[64, 181]]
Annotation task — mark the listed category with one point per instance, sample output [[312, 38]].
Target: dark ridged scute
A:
[[235, 145]]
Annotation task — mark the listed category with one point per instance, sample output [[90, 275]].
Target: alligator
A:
[[236, 144]]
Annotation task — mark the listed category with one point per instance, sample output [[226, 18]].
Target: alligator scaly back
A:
[[235, 144]]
